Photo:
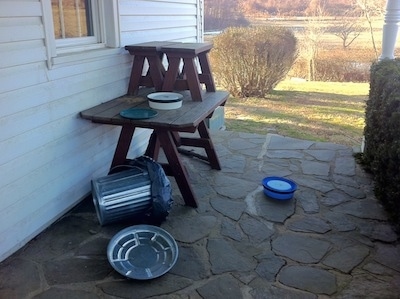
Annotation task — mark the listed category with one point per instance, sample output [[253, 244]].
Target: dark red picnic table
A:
[[166, 125], [167, 66]]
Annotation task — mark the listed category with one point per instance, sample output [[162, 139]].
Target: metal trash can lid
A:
[[142, 252]]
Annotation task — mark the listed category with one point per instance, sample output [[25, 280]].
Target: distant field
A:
[[364, 40], [328, 39], [318, 111]]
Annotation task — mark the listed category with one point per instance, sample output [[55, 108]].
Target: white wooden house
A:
[[48, 155]]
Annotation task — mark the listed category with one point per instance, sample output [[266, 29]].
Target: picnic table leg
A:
[[179, 172], [124, 142], [136, 74], [153, 149], [156, 71], [192, 78], [210, 150], [171, 74], [206, 72]]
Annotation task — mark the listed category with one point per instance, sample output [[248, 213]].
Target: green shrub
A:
[[382, 134], [251, 61]]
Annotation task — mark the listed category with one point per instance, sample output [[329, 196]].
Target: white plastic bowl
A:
[[165, 100]]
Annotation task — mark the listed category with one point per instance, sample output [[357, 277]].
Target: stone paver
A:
[[309, 224], [261, 290], [347, 259], [274, 211], [303, 249], [332, 240], [269, 266], [308, 200], [314, 280], [229, 208], [222, 287], [226, 258]]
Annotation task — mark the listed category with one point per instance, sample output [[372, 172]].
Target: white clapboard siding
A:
[[39, 136], [38, 94], [12, 30], [49, 155], [183, 35], [152, 8], [33, 160], [163, 23], [170, 20], [43, 166], [50, 178], [18, 53], [21, 76], [18, 8], [38, 116], [43, 211]]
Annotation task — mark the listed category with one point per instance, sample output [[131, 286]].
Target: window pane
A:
[[72, 18]]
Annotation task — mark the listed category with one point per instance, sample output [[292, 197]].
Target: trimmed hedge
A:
[[382, 134], [251, 61]]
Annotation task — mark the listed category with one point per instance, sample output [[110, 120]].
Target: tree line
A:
[[278, 7], [220, 14], [349, 18]]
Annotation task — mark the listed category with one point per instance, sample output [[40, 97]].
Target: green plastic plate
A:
[[138, 113]]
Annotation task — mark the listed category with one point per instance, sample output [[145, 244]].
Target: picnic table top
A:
[[184, 119]]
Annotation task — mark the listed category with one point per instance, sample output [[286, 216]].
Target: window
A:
[[76, 22], [76, 26], [72, 18]]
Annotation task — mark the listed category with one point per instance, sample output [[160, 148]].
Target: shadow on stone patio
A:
[[331, 240]]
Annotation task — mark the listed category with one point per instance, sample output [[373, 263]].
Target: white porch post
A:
[[390, 29]]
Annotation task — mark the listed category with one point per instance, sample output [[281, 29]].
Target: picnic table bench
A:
[[188, 67]]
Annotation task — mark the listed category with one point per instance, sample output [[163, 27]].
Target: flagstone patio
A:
[[332, 240]]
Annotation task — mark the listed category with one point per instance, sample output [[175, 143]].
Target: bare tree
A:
[[217, 13], [348, 32], [245, 6], [220, 14], [370, 9], [348, 28], [313, 34]]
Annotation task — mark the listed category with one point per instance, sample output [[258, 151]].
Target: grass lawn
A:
[[318, 111]]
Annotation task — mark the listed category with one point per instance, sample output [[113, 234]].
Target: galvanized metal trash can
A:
[[122, 195]]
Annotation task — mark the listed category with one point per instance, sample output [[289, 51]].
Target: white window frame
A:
[[64, 45], [106, 34]]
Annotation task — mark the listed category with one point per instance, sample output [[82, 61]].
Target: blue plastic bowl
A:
[[279, 188]]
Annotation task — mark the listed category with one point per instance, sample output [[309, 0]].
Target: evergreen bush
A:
[[251, 61], [382, 134]]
